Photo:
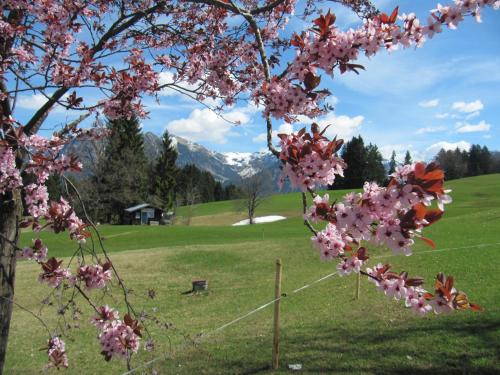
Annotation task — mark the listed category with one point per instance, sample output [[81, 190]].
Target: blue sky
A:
[[446, 94]]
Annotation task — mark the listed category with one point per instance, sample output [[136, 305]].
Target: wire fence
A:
[[202, 335]]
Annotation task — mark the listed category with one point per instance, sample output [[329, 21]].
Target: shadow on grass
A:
[[468, 344]]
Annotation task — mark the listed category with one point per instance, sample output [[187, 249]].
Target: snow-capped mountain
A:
[[227, 167]]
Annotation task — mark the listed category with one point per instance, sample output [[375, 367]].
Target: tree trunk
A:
[[9, 214]]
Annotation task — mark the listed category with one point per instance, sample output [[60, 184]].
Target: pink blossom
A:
[[397, 289], [349, 265], [37, 252], [56, 352], [310, 161], [420, 306], [118, 340], [106, 315], [94, 276], [10, 177], [36, 199], [441, 305], [53, 274]]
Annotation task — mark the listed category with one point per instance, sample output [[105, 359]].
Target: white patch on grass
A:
[[261, 219]]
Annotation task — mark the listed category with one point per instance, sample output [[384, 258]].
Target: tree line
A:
[[365, 163], [478, 160], [122, 176]]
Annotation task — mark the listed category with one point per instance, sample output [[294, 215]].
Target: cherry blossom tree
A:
[[121, 51]]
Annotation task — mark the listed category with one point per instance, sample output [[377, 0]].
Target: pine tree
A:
[[392, 163], [354, 154], [407, 158], [122, 169], [374, 170], [231, 191], [473, 165], [165, 173], [187, 184], [218, 191], [485, 160]]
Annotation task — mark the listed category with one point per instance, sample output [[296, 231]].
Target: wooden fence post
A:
[[358, 284], [276, 337]]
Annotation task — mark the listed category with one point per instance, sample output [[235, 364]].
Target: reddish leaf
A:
[[323, 23], [297, 41], [311, 81], [429, 242], [475, 307], [433, 215], [384, 18]]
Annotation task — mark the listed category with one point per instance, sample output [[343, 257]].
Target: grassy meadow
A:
[[323, 328]]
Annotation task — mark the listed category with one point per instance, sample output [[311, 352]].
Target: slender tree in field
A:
[[102, 57], [254, 189], [123, 169], [166, 173]]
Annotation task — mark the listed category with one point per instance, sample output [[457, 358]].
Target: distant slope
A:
[[469, 195]]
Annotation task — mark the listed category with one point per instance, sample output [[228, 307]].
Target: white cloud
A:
[[169, 78], [464, 127], [429, 103], [431, 129], [260, 138], [332, 100], [433, 149], [343, 127], [472, 115], [400, 150], [205, 125], [284, 128], [464, 107], [35, 101], [442, 116]]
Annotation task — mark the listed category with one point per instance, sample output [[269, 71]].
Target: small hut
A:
[[143, 214]]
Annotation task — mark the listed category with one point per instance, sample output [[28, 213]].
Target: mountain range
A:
[[228, 167]]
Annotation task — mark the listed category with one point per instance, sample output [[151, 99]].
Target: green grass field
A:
[[323, 327]]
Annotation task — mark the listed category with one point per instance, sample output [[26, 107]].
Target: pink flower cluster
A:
[[56, 352], [309, 160], [53, 274], [10, 177], [36, 252], [106, 315], [95, 276], [61, 216], [117, 338], [390, 216], [327, 47], [331, 242], [36, 198], [401, 287], [286, 100]]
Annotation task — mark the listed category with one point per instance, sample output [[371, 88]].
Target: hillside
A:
[[469, 194]]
